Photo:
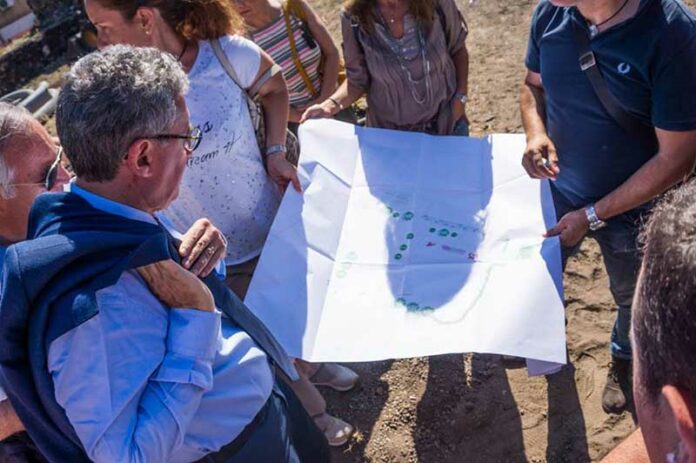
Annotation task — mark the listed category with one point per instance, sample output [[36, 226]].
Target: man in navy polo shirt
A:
[[604, 177]]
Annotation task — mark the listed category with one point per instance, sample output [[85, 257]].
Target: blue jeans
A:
[[622, 259], [285, 434]]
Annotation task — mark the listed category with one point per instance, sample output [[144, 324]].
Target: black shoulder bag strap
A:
[[588, 64]]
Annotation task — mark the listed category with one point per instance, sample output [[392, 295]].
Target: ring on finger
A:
[[210, 251]]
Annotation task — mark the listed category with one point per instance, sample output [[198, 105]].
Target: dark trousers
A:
[[618, 242], [285, 434], [19, 448]]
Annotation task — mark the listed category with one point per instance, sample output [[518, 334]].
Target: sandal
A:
[[336, 431]]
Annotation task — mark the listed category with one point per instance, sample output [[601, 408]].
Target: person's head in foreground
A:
[[29, 166], [664, 331], [124, 125], [164, 24]]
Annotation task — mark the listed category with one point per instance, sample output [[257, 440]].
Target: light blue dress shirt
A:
[[141, 382], [3, 396]]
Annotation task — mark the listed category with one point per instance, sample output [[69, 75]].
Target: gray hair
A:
[[112, 97], [13, 123]]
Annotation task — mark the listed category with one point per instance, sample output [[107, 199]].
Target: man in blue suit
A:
[[131, 357], [28, 167]]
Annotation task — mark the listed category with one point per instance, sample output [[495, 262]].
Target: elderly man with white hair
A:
[[111, 350], [29, 166]]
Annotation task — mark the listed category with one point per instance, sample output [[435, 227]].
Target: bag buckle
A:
[[587, 61]]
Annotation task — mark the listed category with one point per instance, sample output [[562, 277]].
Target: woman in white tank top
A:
[[228, 180]]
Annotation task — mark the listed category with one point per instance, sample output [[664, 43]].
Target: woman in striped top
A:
[[298, 41], [309, 57]]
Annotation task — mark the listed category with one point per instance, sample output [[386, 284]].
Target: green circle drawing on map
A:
[[432, 230], [454, 234], [403, 247], [396, 215], [409, 236], [443, 232], [413, 306], [401, 301], [398, 256], [408, 216], [427, 308]]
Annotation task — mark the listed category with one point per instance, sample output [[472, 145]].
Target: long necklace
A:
[[594, 28], [395, 47]]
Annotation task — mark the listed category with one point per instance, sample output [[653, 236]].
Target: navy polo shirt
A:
[[649, 64]]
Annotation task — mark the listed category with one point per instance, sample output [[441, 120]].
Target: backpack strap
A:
[[295, 55], [355, 27], [296, 10], [588, 65], [270, 72], [229, 69], [443, 22]]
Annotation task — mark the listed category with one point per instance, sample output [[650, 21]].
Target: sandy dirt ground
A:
[[473, 408]]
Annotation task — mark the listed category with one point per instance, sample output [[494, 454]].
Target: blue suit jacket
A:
[[49, 287]]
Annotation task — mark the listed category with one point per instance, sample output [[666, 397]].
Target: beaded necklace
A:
[[395, 48]]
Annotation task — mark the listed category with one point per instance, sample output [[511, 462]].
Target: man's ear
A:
[[683, 407], [138, 160]]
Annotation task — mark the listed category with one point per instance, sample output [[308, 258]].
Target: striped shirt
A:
[[273, 38]]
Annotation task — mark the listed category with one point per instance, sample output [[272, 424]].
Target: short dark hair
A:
[[664, 319]]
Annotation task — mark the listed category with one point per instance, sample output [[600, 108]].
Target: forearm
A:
[[532, 109], [461, 67], [631, 450], [275, 105], [346, 94], [9, 421], [329, 76], [652, 179]]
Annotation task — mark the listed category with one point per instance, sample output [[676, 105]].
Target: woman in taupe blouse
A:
[[410, 58]]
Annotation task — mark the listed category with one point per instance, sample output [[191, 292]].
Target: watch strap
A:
[[278, 148], [595, 222]]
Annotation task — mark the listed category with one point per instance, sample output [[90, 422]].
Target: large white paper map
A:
[[406, 245]]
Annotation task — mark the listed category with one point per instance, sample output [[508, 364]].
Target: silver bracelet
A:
[[595, 222]]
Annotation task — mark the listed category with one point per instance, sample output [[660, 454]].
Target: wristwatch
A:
[[595, 222], [272, 149], [461, 97]]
